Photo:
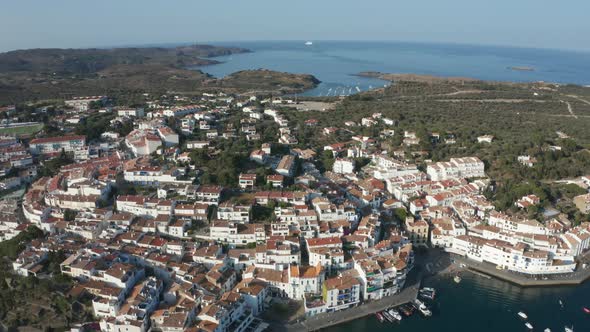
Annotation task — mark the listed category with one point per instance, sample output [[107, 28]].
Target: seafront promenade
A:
[[437, 262], [408, 294], [579, 276]]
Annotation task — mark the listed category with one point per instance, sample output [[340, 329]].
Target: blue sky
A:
[[75, 23]]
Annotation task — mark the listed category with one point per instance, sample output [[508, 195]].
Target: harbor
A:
[[483, 304], [581, 275], [408, 295], [437, 280]]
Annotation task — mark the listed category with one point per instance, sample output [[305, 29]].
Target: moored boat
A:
[[422, 308], [528, 325], [457, 279], [395, 314], [427, 293], [406, 310], [388, 316], [547, 330], [522, 315], [379, 317], [586, 310]]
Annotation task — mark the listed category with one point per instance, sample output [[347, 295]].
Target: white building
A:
[[49, 145], [343, 166], [468, 167], [168, 136]]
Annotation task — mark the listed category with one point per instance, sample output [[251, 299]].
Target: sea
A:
[[477, 303], [483, 304], [336, 63]]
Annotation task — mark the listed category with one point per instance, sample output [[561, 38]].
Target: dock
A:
[[408, 294], [571, 279]]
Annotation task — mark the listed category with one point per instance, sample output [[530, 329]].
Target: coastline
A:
[[435, 263], [578, 277], [409, 293]]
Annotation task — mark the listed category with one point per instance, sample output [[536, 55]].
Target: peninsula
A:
[[38, 74]]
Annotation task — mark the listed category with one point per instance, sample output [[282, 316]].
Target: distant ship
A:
[[308, 43]]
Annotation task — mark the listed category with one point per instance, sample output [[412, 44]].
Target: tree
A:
[[327, 160], [70, 215], [400, 214]]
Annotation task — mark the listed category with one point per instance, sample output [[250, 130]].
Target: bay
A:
[[335, 63], [486, 305]]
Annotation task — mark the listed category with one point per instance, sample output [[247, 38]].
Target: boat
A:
[[457, 279], [407, 310], [395, 314], [386, 316], [568, 329], [586, 310], [427, 293], [528, 325], [522, 315], [379, 317], [561, 303], [547, 330], [308, 43], [422, 308]]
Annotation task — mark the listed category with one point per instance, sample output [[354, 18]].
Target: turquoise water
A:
[[335, 62], [486, 305]]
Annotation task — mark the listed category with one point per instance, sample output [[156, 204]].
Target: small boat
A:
[[407, 310], [395, 314], [522, 315], [586, 310], [388, 316], [422, 308], [308, 43], [561, 303], [547, 330], [428, 293], [457, 279], [528, 325], [567, 329], [379, 317]]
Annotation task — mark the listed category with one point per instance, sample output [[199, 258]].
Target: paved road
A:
[[320, 321]]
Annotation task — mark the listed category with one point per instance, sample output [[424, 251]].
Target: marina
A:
[[487, 305]]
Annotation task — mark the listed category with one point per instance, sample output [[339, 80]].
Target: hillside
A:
[[413, 77], [89, 61], [60, 73], [262, 80]]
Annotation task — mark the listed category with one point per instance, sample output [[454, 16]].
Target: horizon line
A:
[[212, 42]]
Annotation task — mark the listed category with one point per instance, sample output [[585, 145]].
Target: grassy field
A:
[[25, 130]]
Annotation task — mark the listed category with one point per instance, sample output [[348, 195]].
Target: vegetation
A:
[[523, 118], [35, 302], [11, 248], [127, 73], [52, 166], [94, 125], [262, 81]]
